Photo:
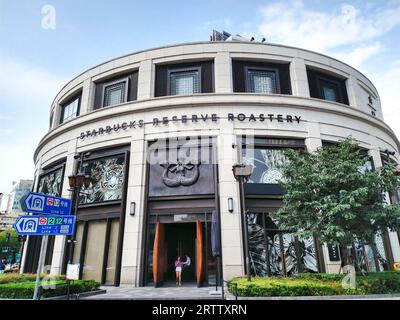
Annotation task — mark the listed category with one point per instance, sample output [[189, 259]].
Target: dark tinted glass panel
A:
[[243, 71]]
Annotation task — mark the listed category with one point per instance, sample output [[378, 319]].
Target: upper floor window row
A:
[[116, 90], [184, 78], [260, 77], [70, 109], [198, 77], [326, 86]]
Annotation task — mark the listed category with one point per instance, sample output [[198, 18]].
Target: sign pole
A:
[[39, 268]]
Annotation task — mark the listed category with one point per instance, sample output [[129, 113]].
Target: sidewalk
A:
[[186, 292]]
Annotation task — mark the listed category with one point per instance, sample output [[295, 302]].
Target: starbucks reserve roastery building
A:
[[159, 130]]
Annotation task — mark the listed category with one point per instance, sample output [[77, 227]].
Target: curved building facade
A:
[[159, 131]]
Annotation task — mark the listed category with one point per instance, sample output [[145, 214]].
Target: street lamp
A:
[[242, 173], [76, 182]]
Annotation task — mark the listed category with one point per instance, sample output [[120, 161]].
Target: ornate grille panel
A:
[[108, 179], [266, 165], [265, 248], [51, 183]]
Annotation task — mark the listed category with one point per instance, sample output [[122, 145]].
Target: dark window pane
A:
[[70, 110], [114, 94], [184, 83], [261, 81]]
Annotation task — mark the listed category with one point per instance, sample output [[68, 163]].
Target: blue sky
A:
[[36, 62]]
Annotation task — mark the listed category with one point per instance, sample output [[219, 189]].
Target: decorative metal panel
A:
[[266, 164], [180, 175], [108, 179], [380, 251], [51, 183], [257, 249], [266, 245]]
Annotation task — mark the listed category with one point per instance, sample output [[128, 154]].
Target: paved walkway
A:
[[186, 292]]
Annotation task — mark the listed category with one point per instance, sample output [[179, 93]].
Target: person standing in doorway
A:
[[178, 271]]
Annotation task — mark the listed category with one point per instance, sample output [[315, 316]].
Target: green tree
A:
[[13, 244], [328, 195]]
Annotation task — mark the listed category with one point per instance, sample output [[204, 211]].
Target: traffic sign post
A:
[[45, 225], [40, 203], [52, 217], [39, 269]]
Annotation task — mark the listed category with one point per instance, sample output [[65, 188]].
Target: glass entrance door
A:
[[187, 240]]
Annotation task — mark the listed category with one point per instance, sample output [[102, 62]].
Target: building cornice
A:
[[201, 100]]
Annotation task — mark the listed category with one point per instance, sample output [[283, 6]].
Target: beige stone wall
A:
[[320, 120]]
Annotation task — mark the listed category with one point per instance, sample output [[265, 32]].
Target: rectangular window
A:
[[115, 93], [329, 91], [262, 81], [184, 82], [70, 110], [327, 86]]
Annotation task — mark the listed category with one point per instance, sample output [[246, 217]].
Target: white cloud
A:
[[348, 34], [289, 22], [359, 55]]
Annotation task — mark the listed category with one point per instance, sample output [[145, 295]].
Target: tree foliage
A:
[[328, 194]]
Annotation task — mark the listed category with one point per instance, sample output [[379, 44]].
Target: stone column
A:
[[351, 86], [87, 99], [298, 77], [146, 80], [133, 230], [223, 73], [231, 229]]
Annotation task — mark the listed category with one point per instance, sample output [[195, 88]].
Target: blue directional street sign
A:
[[44, 204], [45, 225]]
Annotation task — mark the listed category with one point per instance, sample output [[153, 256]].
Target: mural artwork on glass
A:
[[362, 261], [258, 237], [108, 179], [258, 257], [51, 183], [380, 251], [266, 165]]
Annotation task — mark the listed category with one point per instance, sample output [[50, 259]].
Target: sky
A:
[[39, 54]]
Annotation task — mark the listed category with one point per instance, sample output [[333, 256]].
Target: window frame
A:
[[274, 70], [69, 102], [51, 119], [182, 70], [331, 82], [114, 82]]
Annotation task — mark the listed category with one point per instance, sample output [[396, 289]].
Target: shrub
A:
[[25, 290], [315, 285], [16, 277], [260, 287]]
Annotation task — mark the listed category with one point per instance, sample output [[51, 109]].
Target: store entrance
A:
[[167, 241], [180, 242]]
